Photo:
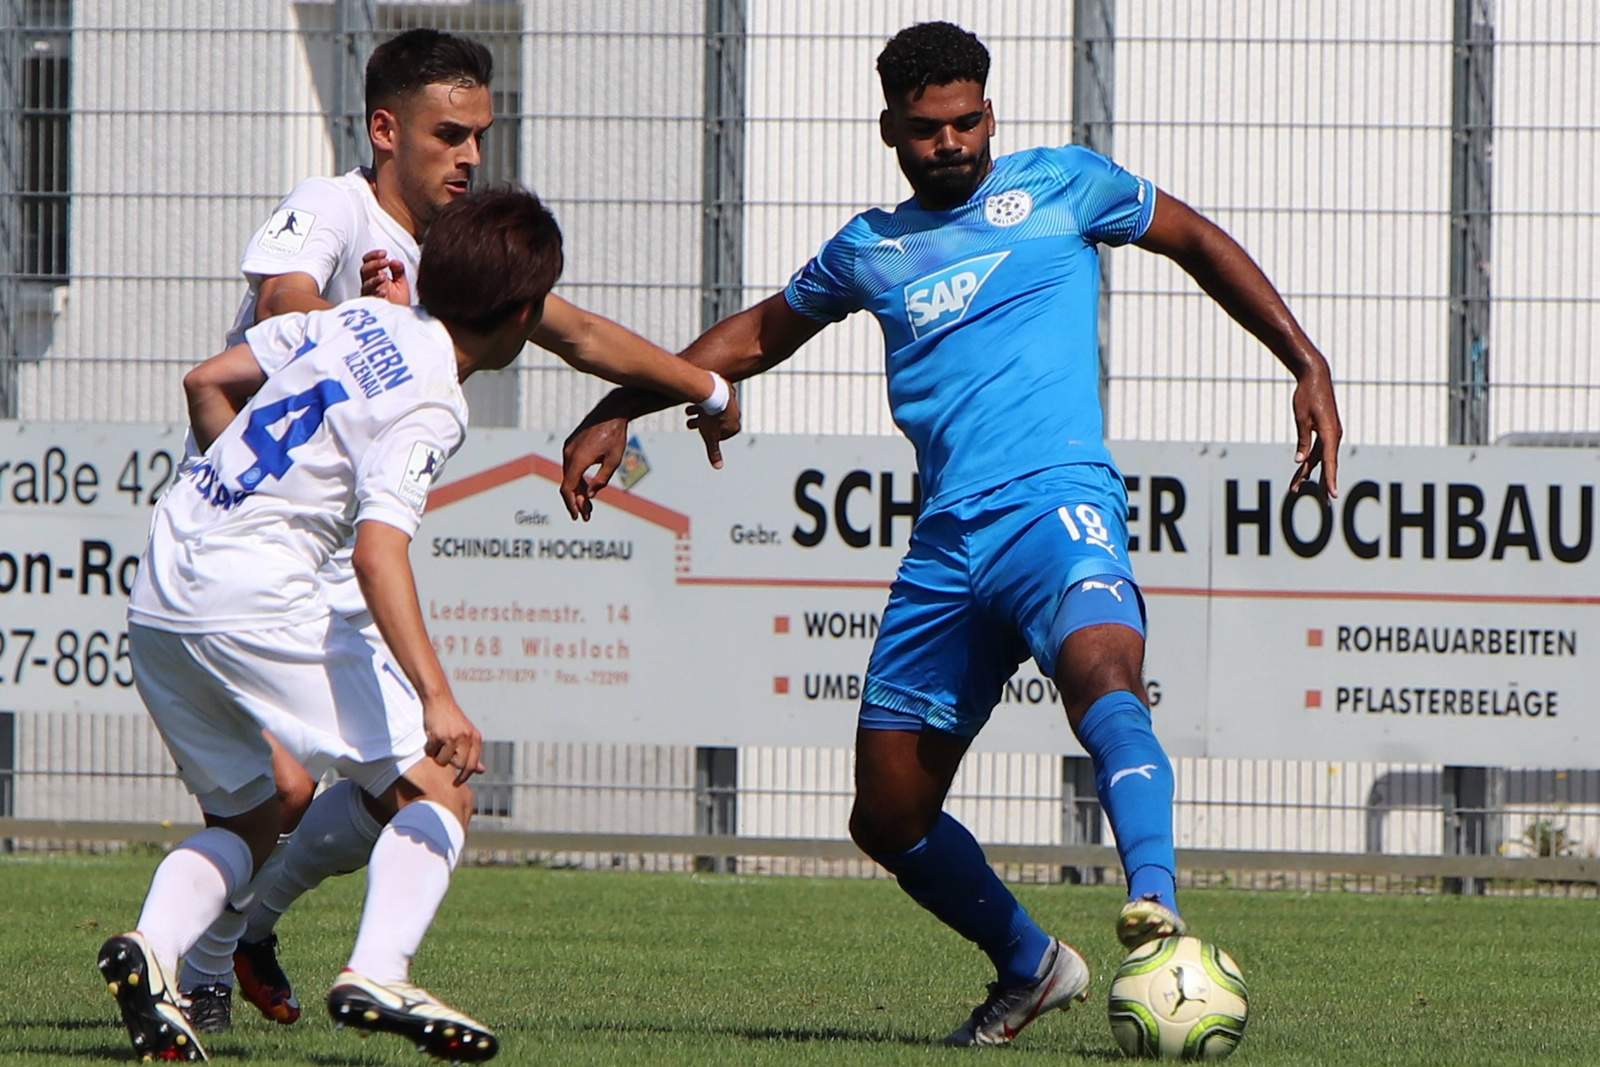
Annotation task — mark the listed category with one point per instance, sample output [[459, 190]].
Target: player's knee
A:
[[879, 832], [465, 802], [1089, 671], [294, 797]]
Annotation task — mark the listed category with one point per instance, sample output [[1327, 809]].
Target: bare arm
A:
[[1231, 278], [740, 346], [382, 564], [596, 345], [281, 293], [218, 388]]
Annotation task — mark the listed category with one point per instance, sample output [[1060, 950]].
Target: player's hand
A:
[[1317, 426], [715, 429], [452, 739], [599, 443], [384, 278]]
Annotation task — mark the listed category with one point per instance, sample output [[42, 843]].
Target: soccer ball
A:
[[1178, 998]]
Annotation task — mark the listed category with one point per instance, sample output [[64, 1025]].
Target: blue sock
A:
[[1134, 780], [946, 873]]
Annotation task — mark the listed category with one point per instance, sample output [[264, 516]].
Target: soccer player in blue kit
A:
[[986, 285]]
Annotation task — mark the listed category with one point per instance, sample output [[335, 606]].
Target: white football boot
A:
[[1147, 919], [413, 1013], [149, 1000], [1063, 978]]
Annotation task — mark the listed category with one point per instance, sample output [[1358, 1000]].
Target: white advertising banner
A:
[[1443, 610]]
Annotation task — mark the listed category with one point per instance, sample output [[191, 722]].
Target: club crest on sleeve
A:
[[1008, 208], [423, 463], [286, 231]]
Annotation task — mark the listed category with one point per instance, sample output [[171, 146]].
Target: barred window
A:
[[44, 67]]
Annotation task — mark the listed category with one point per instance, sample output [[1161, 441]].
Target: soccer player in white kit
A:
[[331, 239], [231, 632]]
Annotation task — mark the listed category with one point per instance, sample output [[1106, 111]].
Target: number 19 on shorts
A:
[[1085, 523]]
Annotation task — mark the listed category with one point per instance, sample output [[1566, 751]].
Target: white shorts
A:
[[331, 696]]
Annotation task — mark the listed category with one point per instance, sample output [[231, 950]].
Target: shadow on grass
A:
[[806, 1034], [116, 1046], [119, 1050]]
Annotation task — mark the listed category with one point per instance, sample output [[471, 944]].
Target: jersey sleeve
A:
[[824, 289], [308, 233], [1111, 205], [277, 341], [402, 462]]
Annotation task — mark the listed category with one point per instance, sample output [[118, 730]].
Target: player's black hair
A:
[[408, 62], [931, 53], [488, 254]]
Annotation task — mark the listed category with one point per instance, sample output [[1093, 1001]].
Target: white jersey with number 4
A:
[[322, 229], [355, 427]]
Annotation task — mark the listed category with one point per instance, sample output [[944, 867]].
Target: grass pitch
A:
[[601, 968]]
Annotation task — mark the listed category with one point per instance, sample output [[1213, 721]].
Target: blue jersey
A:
[[989, 313]]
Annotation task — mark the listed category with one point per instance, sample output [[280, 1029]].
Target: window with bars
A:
[[42, 97]]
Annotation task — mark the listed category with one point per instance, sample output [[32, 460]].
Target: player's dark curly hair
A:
[[931, 53], [410, 61]]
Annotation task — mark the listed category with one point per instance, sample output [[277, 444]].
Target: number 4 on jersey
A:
[[272, 453]]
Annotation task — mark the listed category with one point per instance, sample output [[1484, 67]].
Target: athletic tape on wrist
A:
[[717, 402]]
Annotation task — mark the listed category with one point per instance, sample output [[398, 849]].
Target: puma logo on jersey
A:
[[1143, 771], [891, 242], [1114, 588], [941, 299]]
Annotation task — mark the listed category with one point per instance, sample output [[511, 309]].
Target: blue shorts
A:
[[990, 580]]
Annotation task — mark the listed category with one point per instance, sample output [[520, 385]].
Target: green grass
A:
[[601, 968]]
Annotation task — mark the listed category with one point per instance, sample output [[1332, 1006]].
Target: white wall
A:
[[180, 142]]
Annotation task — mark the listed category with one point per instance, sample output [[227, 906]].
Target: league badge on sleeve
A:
[[423, 464], [285, 233]]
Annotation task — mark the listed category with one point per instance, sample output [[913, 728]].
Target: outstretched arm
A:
[[740, 346], [596, 345], [1231, 278]]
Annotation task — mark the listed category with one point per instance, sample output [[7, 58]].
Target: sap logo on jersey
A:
[[941, 299]]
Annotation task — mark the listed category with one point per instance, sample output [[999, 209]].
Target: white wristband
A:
[[717, 402]]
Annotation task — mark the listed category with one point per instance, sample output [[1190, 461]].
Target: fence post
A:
[[1093, 44], [8, 772], [721, 293], [716, 795], [1474, 801], [11, 45], [1080, 816], [1471, 136], [1093, 82], [355, 28], [1473, 798], [722, 190]]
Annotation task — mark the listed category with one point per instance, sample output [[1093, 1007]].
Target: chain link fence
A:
[[1417, 178]]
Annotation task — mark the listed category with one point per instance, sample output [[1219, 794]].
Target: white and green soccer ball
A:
[[1178, 998]]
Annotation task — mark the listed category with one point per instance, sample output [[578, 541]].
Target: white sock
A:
[[210, 961], [335, 836], [408, 876], [189, 890]]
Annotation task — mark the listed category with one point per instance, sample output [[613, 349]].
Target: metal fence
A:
[[1418, 179]]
